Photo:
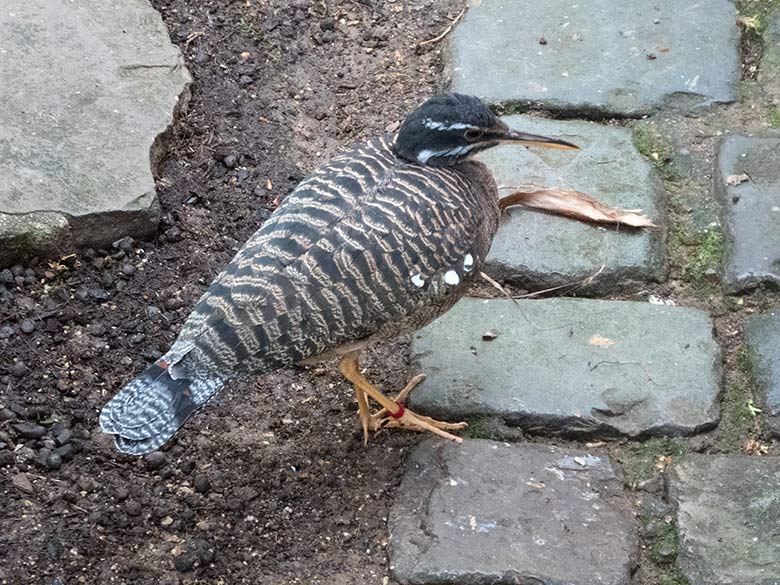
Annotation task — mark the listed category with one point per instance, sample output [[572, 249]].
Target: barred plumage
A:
[[369, 246]]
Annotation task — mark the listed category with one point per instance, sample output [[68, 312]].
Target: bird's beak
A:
[[512, 137]]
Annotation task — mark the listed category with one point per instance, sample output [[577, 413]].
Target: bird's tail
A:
[[149, 410]]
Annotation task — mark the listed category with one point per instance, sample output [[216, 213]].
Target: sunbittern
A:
[[377, 242]]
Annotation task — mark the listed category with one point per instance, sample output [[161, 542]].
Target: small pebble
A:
[[87, 484], [29, 430], [186, 561], [155, 461], [128, 269], [125, 244], [6, 332], [121, 493], [7, 414], [17, 270], [62, 437], [173, 234], [65, 452], [133, 508], [173, 303], [7, 277], [22, 482], [153, 313], [202, 483], [231, 160], [19, 369], [99, 294], [27, 326], [53, 461]]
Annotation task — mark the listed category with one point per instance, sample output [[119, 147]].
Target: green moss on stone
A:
[[652, 145], [664, 544], [773, 117], [672, 576], [639, 459], [707, 255], [737, 422]]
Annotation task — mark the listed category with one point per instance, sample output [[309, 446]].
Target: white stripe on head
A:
[[425, 155], [432, 125]]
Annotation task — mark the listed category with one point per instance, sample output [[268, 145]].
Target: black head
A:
[[451, 127]]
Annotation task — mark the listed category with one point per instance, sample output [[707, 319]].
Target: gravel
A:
[[29, 430]]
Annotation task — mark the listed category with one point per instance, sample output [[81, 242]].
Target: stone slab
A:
[[751, 211], [769, 67], [486, 512], [728, 517], [762, 333], [538, 250], [89, 88], [571, 366], [600, 57]]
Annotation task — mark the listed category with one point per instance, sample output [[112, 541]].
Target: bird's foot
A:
[[406, 419], [417, 422]]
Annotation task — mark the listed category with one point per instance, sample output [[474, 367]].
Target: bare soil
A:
[[272, 483]]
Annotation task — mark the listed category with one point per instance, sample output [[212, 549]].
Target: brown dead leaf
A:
[[734, 180], [754, 447], [663, 462], [601, 341], [571, 203]]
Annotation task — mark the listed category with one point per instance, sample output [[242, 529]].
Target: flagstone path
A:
[[507, 513]]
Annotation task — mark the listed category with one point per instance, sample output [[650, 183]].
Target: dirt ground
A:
[[270, 484]]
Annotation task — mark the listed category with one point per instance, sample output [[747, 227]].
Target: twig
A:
[[499, 287], [192, 36], [446, 30], [577, 284]]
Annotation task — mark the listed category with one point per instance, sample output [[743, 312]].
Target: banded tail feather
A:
[[148, 410]]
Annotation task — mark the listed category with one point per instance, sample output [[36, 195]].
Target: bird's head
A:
[[450, 127]]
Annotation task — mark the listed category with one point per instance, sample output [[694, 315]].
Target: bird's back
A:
[[368, 246]]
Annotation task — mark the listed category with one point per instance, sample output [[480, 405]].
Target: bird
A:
[[375, 243]]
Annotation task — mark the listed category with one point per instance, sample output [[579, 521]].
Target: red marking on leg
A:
[[162, 363], [400, 412]]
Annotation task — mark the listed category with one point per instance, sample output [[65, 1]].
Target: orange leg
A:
[[392, 414]]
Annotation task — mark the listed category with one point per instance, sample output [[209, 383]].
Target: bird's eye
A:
[[473, 134]]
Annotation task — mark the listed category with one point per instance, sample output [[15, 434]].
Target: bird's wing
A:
[[364, 241]]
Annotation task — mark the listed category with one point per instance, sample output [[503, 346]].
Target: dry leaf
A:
[[754, 447], [572, 204], [601, 341], [539, 485], [663, 462], [736, 179]]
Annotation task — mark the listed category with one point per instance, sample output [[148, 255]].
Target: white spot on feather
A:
[[418, 280], [468, 263], [451, 277]]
